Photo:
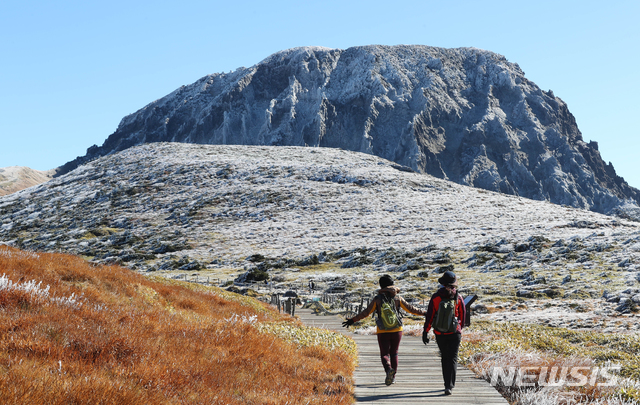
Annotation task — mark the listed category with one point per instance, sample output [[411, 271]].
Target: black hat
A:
[[386, 281], [448, 278]]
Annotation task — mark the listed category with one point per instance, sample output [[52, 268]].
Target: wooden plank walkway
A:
[[419, 377]]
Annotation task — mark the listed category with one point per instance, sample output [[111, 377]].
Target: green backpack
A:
[[446, 320], [389, 316]]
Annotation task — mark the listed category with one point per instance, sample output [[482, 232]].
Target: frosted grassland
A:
[[174, 208]]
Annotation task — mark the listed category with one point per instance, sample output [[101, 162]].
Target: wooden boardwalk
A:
[[419, 377]]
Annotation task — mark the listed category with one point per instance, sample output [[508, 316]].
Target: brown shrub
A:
[[128, 339]]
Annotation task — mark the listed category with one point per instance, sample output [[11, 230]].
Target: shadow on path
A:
[[419, 378]]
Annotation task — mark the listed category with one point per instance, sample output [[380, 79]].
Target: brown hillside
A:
[[75, 333], [16, 178]]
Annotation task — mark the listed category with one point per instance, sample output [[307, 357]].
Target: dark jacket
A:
[[434, 304]]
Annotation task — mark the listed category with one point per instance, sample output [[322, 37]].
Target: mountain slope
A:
[[465, 115], [221, 204], [16, 178], [330, 215]]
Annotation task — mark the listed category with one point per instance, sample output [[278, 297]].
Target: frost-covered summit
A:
[[464, 114]]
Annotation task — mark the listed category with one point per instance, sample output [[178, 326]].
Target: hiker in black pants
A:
[[389, 334], [446, 314]]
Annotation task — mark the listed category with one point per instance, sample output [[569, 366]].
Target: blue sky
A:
[[71, 70]]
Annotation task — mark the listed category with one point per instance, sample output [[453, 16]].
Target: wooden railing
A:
[[342, 303]]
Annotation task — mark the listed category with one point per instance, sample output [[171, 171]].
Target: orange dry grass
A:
[[130, 340]]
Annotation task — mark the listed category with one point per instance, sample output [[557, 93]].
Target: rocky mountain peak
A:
[[465, 115]]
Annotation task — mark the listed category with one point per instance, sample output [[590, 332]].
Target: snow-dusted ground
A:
[[185, 206], [293, 201]]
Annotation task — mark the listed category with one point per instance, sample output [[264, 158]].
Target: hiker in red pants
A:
[[446, 314], [386, 305]]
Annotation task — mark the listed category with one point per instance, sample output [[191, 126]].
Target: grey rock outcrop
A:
[[465, 115]]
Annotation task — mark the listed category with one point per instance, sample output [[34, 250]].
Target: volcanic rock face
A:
[[465, 115]]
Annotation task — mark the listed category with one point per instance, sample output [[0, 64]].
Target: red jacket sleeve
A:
[[434, 303], [462, 313]]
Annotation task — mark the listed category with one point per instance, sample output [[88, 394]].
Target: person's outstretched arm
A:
[[410, 308], [366, 312]]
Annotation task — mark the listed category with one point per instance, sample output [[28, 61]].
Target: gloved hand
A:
[[425, 337], [347, 323]]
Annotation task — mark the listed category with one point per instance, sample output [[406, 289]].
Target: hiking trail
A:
[[419, 378]]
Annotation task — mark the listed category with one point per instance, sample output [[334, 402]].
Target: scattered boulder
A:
[[441, 258], [309, 261], [234, 289], [524, 275], [423, 274], [442, 269], [252, 275], [625, 263], [479, 309]]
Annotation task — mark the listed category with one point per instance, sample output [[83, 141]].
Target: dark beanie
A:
[[386, 281]]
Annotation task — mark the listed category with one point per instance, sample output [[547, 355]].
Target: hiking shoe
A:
[[391, 377], [447, 391]]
